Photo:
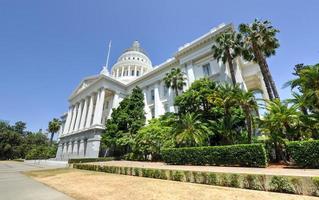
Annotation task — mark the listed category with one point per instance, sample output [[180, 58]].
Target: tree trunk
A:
[[176, 92], [51, 138], [249, 126], [277, 152], [269, 76], [231, 68], [263, 71]]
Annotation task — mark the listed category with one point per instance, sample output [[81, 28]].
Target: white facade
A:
[[92, 101]]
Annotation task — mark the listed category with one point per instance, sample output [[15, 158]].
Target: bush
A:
[[315, 181], [212, 179], [177, 176], [304, 153], [281, 184], [41, 152], [234, 180], [251, 182], [249, 155], [86, 160]]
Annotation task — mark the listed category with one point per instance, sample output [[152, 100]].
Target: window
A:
[[137, 73], [72, 147], [206, 70], [132, 73], [85, 146], [165, 90], [153, 112], [152, 95]]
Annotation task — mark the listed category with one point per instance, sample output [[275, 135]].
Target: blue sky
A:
[[47, 47]]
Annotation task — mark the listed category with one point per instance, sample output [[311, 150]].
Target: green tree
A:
[[280, 122], [190, 131], [10, 144], [19, 127], [247, 102], [153, 137], [307, 83], [226, 49], [259, 43], [125, 121], [175, 79], [53, 127]]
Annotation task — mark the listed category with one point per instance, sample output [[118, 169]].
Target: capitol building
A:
[[91, 103]]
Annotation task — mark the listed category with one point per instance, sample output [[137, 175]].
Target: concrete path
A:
[[247, 170], [16, 186]]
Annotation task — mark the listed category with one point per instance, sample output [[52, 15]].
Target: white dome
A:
[[133, 63]]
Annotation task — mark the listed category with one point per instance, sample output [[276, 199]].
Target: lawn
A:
[[81, 184]]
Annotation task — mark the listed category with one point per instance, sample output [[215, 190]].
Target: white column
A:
[[117, 72], [122, 71], [135, 71], [159, 109], [142, 70], [68, 121], [190, 74], [79, 115], [99, 107], [147, 109], [129, 70], [90, 111], [73, 119], [84, 113]]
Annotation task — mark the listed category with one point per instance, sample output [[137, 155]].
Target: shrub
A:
[[297, 185], [163, 174], [251, 182], [281, 184], [304, 153], [41, 152], [188, 176], [86, 160], [177, 176], [197, 177], [136, 172], [315, 181], [223, 180], [251, 155], [212, 179], [234, 180]]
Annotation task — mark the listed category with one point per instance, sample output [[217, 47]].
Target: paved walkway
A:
[[267, 171], [16, 186]]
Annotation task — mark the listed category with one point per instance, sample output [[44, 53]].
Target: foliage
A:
[[227, 48], [151, 138], [279, 123], [175, 79], [190, 131], [281, 184], [259, 42], [86, 160], [54, 127], [234, 180], [251, 182], [304, 153], [10, 145], [42, 152], [221, 108], [252, 155], [315, 181], [125, 121]]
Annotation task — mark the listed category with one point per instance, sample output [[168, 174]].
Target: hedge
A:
[[247, 155], [283, 184], [86, 160], [304, 153]]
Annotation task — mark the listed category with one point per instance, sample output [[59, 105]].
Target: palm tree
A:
[[54, 126], [248, 103], [279, 123], [227, 48], [175, 80], [260, 42], [300, 100], [190, 131], [308, 84]]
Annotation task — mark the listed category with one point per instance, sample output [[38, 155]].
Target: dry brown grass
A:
[[96, 185]]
